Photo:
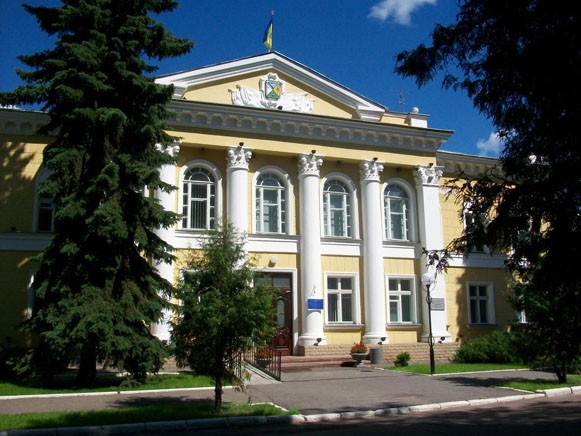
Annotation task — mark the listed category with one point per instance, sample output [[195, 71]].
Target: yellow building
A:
[[338, 196]]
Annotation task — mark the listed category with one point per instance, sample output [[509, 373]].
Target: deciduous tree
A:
[[519, 62], [223, 309]]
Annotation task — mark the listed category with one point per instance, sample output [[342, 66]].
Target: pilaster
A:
[[237, 162]]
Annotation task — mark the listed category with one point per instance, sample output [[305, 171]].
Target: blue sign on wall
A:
[[315, 304]]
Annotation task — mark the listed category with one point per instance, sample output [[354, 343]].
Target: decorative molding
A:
[[22, 122], [240, 120], [369, 170], [309, 164], [171, 150], [457, 163], [429, 175], [270, 95], [24, 241], [238, 157]]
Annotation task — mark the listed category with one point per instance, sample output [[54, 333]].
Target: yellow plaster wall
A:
[[403, 336], [335, 337], [393, 266], [451, 220], [20, 160], [218, 92], [457, 301]]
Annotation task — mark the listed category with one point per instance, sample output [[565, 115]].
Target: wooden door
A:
[[281, 284]]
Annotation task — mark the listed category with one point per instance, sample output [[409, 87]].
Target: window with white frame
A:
[[340, 300], [475, 222], [396, 204], [402, 300], [270, 205], [44, 206], [198, 199], [337, 199], [480, 303]]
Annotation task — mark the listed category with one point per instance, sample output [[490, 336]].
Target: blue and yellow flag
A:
[[267, 40]]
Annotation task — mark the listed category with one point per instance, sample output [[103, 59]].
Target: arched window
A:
[[44, 206], [337, 199], [198, 199], [396, 204], [270, 204]]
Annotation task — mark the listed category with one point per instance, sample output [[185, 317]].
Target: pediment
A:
[[272, 81]]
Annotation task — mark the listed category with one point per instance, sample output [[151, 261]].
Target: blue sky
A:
[[353, 42]]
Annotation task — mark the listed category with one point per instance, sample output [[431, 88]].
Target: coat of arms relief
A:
[[270, 95]]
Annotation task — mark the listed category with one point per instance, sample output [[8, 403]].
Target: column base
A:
[[439, 337], [309, 339], [375, 338]]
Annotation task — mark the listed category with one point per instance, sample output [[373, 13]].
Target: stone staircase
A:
[[306, 363]]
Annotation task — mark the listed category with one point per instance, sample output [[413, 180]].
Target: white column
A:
[[310, 251], [373, 274], [237, 199], [431, 237], [167, 175]]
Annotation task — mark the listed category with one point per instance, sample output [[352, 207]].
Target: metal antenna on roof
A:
[[401, 100]]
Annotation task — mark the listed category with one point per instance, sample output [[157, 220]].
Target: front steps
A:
[[306, 363]]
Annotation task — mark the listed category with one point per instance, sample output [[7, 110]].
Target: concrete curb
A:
[[240, 421]]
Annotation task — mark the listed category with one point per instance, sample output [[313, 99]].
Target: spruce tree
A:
[[96, 288]]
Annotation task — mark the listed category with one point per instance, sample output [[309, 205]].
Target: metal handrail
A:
[[265, 358]]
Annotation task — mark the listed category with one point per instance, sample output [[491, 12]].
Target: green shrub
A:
[[498, 347], [402, 359]]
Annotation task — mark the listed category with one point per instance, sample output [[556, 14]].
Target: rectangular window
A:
[[481, 303], [402, 300], [45, 214], [340, 300]]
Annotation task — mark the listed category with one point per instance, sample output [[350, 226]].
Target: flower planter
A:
[[359, 357]]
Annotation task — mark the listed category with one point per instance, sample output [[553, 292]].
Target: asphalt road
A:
[[532, 417]]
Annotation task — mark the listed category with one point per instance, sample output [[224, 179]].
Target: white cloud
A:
[[491, 146], [398, 10]]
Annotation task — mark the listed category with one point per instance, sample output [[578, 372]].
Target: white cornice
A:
[[236, 119], [21, 122], [456, 163], [366, 109]]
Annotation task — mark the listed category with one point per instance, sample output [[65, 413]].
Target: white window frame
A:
[[466, 215], [413, 293], [489, 299], [353, 212], [411, 211], [39, 204], [215, 173], [355, 304], [257, 224]]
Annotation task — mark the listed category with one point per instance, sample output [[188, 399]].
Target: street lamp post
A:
[[428, 280]]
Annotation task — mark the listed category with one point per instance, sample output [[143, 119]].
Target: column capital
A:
[[369, 170], [428, 175], [309, 164], [238, 157], [172, 149]]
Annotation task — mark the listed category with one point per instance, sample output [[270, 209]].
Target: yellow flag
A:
[[267, 40]]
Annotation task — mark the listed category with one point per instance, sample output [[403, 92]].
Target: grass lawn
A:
[[451, 368], [129, 415], [105, 383], [536, 385]]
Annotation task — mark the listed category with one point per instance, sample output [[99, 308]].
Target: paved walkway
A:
[[317, 392]]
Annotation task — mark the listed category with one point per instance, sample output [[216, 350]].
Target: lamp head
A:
[[428, 279]]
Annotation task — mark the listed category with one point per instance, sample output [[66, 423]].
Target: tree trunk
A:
[[561, 371], [218, 395], [87, 373]]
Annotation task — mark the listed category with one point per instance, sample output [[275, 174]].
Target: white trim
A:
[[412, 204], [217, 177], [285, 178], [414, 299], [356, 308], [367, 109], [41, 176], [275, 243], [490, 306], [24, 241], [478, 260], [352, 187]]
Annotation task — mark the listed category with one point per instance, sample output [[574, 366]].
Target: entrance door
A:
[[281, 284]]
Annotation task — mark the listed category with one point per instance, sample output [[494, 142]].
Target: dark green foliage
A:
[[402, 359], [517, 60], [96, 289], [498, 347], [221, 312]]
